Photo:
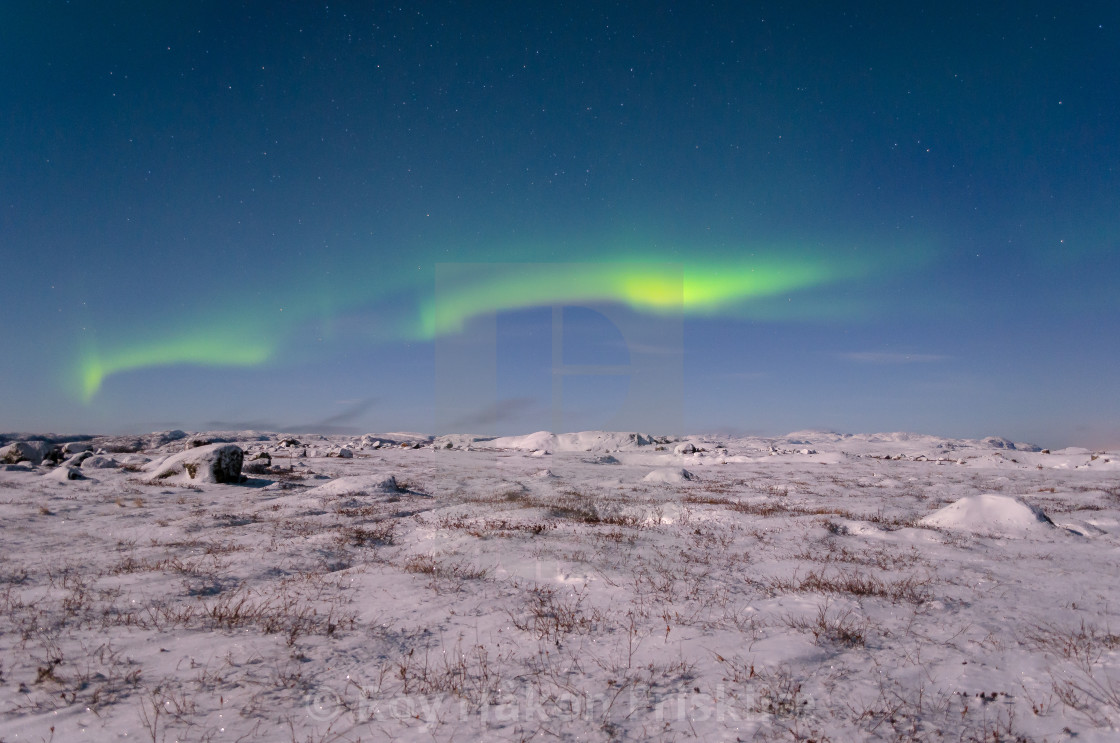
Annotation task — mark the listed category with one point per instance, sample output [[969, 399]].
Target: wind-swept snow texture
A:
[[589, 586]]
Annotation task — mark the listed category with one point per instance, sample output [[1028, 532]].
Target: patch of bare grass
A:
[[549, 615], [1085, 644], [832, 628], [908, 589], [380, 533], [446, 569]]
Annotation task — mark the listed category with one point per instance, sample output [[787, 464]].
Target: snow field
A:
[[817, 586]]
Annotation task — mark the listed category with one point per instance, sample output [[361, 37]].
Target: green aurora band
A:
[[467, 290], [200, 347], [654, 288]]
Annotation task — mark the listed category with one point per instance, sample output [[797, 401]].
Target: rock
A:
[[603, 459], [258, 464], [669, 475], [26, 451], [77, 459], [220, 463], [71, 448], [99, 461], [63, 474]]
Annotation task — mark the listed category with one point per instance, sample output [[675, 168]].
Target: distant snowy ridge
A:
[[584, 441]]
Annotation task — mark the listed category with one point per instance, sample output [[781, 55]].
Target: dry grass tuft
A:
[[909, 589]]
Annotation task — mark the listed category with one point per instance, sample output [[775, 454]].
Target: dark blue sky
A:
[[221, 213]]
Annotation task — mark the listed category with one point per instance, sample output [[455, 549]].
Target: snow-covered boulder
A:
[[603, 459], [77, 459], [1002, 515], [686, 448], [258, 464], [214, 463], [64, 474], [70, 448], [669, 475], [99, 461], [26, 451]]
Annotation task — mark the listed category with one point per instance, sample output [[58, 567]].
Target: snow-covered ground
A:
[[593, 586]]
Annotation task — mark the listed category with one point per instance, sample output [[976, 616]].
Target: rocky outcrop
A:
[[33, 452], [220, 463]]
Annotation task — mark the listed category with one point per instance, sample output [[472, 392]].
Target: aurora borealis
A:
[[868, 217], [698, 289]]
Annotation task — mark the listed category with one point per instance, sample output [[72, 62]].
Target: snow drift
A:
[[1003, 515]]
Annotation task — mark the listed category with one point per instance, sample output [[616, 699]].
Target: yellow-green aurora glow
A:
[[656, 288], [689, 287], [200, 347]]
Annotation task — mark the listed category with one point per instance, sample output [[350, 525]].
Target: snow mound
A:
[[669, 475], [357, 485], [64, 474], [1003, 515]]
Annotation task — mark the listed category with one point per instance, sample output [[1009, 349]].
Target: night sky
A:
[[864, 217]]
